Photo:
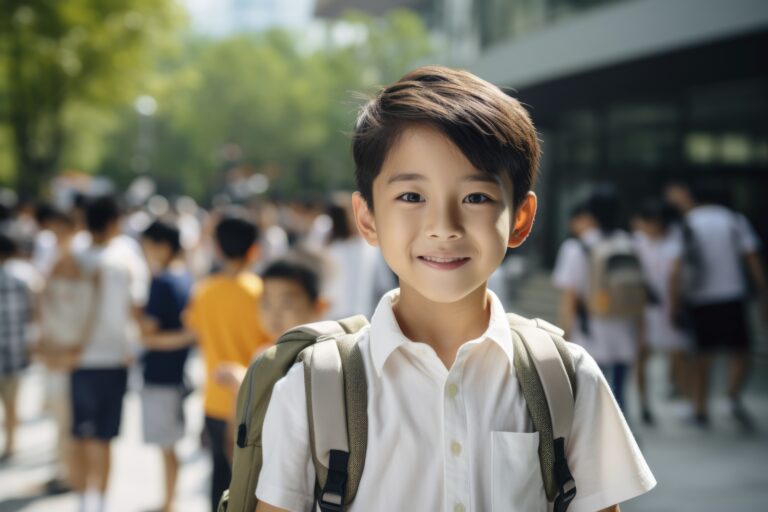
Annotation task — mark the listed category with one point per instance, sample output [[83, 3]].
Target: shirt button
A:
[[452, 390], [459, 507], [456, 448]]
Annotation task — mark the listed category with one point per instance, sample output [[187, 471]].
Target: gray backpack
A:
[[336, 390]]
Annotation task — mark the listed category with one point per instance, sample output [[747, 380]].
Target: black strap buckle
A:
[[331, 497], [565, 484]]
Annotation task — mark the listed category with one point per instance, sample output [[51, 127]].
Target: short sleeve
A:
[[603, 456], [287, 475], [748, 240], [189, 317], [571, 267]]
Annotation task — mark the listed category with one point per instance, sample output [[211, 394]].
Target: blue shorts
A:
[[97, 402]]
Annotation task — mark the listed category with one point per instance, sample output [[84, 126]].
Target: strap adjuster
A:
[[331, 497]]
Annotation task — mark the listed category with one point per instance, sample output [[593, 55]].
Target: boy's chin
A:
[[446, 293]]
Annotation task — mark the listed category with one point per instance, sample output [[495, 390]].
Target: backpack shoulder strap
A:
[[546, 374], [337, 397]]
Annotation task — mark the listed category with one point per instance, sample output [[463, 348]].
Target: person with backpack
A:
[[710, 286], [603, 285], [435, 405]]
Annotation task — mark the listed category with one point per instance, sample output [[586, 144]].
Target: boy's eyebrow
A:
[[414, 176], [406, 176]]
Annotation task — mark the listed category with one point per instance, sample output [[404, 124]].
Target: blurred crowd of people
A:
[[678, 280], [91, 291]]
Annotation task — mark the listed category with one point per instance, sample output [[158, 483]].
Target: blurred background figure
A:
[[658, 247], [711, 283], [16, 303], [164, 387], [603, 288]]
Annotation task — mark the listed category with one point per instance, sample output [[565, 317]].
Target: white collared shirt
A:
[[453, 440]]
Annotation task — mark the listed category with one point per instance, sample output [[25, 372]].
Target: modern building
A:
[[634, 92]]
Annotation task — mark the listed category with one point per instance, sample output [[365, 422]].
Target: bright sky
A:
[[222, 17]]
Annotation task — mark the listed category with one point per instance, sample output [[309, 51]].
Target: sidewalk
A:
[[136, 483]]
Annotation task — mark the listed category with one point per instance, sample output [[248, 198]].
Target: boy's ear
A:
[[364, 220], [322, 305], [523, 222], [254, 253]]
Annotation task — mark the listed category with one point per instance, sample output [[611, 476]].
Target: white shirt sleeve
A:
[[602, 453], [571, 268], [287, 475], [748, 240]]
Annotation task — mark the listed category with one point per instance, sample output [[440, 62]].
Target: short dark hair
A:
[[100, 212], [8, 246], [299, 269], [654, 209], [236, 233], [492, 129], [164, 232], [603, 204]]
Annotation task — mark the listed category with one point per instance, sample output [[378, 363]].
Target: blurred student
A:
[[658, 247], [98, 383], [224, 314], [603, 289], [67, 307], [15, 313], [291, 298], [162, 396], [710, 282]]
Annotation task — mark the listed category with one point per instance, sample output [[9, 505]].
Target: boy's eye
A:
[[477, 199], [410, 197]]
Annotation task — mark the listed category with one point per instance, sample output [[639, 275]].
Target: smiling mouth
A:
[[443, 263]]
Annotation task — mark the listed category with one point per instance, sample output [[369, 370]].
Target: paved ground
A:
[[719, 470]]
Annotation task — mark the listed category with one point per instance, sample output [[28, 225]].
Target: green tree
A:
[[284, 104], [60, 59]]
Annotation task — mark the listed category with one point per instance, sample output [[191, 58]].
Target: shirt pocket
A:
[[516, 485]]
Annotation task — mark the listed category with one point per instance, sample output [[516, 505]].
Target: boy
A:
[[613, 341], [291, 297], [15, 312], [224, 314], [98, 383], [445, 163], [66, 310], [163, 393]]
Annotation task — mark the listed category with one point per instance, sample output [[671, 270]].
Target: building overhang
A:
[[617, 33]]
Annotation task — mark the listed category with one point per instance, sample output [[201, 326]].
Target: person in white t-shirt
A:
[[711, 279], [98, 382], [445, 165], [658, 246]]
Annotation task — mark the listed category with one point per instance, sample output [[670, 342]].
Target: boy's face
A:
[[285, 304], [158, 255], [442, 225]]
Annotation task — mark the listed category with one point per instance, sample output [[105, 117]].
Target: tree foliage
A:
[[269, 102], [61, 59]]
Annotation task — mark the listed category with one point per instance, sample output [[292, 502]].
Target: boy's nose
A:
[[444, 224]]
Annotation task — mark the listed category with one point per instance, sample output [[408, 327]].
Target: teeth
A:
[[441, 260]]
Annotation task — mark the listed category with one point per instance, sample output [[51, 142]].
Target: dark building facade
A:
[[637, 93]]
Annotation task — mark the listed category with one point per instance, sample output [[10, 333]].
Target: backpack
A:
[[335, 381], [617, 287]]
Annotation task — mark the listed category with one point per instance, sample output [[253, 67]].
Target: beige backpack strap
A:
[[547, 379], [336, 389]]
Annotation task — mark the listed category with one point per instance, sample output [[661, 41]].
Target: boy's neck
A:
[[234, 267], [444, 327]]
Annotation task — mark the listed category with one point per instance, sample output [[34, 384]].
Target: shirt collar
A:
[[386, 335]]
